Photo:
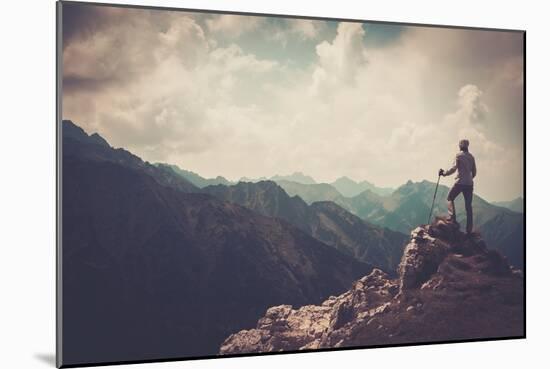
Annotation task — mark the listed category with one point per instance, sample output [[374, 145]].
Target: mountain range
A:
[[401, 210], [147, 259], [323, 220], [404, 208], [159, 262], [344, 186], [409, 205]]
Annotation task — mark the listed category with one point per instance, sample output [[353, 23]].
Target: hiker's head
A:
[[463, 145]]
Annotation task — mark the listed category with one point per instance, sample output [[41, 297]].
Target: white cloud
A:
[[306, 28], [233, 25], [233, 59], [186, 99], [340, 60], [300, 29], [466, 121], [184, 39], [471, 104], [181, 93]]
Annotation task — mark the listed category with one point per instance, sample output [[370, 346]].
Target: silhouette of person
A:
[[465, 166]]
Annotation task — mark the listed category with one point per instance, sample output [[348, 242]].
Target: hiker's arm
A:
[[474, 169], [451, 170]]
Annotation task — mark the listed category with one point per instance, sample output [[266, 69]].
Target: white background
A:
[[27, 182]]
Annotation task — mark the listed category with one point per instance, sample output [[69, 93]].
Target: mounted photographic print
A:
[[242, 184]]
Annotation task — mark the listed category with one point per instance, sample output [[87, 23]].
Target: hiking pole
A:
[[433, 201]]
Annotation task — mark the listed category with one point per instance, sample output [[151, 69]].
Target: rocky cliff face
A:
[[450, 287]]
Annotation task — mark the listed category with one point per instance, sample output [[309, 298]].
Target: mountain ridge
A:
[[77, 143], [136, 247], [350, 188], [516, 204], [400, 211], [409, 205], [193, 177], [327, 222]]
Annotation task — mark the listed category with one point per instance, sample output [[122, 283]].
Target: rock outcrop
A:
[[449, 287]]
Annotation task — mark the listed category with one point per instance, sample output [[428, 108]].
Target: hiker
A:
[[465, 165]]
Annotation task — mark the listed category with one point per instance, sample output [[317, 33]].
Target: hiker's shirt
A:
[[465, 166]]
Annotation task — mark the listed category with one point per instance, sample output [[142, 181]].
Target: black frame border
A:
[[59, 181]]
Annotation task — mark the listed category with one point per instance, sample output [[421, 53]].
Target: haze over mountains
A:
[[409, 205], [350, 188], [515, 205], [343, 186], [165, 263], [323, 220]]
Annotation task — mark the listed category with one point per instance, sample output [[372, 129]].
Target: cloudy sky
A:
[[254, 96]]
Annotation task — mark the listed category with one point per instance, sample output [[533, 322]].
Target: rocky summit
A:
[[450, 286]]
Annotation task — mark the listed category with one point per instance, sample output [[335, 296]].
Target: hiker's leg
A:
[[453, 193], [468, 193]]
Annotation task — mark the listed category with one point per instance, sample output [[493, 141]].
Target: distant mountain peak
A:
[[298, 177], [345, 179], [351, 188]]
